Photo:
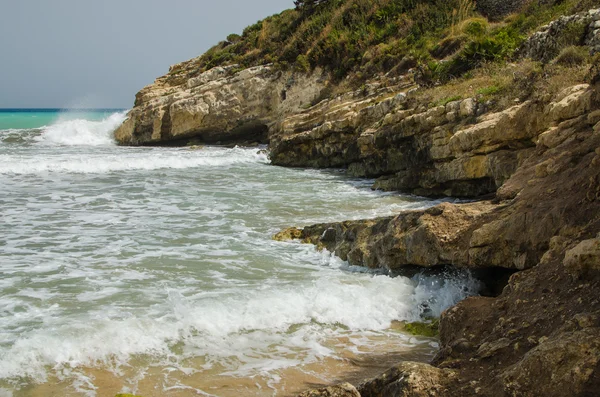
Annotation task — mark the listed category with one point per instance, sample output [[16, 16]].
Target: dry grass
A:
[[466, 9], [558, 77], [506, 84]]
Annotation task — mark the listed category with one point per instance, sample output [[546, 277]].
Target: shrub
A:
[[302, 64], [474, 27], [497, 46], [489, 91], [449, 46], [234, 38], [446, 101], [572, 56], [252, 29], [572, 35]]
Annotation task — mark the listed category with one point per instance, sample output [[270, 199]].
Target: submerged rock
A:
[[429, 329], [291, 233]]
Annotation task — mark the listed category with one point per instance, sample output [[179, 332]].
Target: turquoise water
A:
[[37, 118], [152, 270]]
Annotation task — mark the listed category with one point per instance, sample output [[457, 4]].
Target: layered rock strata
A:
[[455, 150], [541, 335], [222, 105]]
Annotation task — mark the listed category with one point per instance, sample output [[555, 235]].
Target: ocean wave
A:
[[238, 330], [81, 132], [131, 160], [19, 137]]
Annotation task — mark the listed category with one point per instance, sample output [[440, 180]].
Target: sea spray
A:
[[82, 132]]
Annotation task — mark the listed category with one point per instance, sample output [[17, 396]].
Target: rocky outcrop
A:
[[341, 390], [409, 379], [578, 29], [541, 335], [442, 151], [496, 9], [513, 232], [437, 236], [222, 105]]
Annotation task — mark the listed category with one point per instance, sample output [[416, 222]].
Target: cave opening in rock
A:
[[492, 279]]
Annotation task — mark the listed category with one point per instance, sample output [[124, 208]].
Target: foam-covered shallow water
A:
[[152, 270]]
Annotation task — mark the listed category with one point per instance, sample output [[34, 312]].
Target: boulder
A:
[[341, 390], [408, 379]]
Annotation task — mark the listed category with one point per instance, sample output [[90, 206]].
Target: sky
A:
[[99, 53]]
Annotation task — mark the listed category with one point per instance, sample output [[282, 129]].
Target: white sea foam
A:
[[81, 132], [114, 256], [244, 325], [131, 160]]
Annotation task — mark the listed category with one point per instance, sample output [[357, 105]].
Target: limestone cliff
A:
[[528, 149], [222, 105], [541, 335], [382, 130]]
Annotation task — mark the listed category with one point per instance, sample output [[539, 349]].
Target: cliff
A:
[[505, 112], [386, 127], [540, 336]]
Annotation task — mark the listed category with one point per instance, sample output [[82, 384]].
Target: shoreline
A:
[[497, 102]]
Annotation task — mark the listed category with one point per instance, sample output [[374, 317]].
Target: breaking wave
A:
[[81, 132]]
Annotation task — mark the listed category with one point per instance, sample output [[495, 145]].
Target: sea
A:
[[152, 270]]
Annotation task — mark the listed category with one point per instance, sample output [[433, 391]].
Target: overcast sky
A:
[[99, 53]]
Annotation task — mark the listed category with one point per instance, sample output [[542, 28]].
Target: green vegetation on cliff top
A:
[[445, 38]]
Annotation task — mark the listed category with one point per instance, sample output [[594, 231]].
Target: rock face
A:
[[219, 106], [541, 335], [443, 151], [515, 231], [575, 29]]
